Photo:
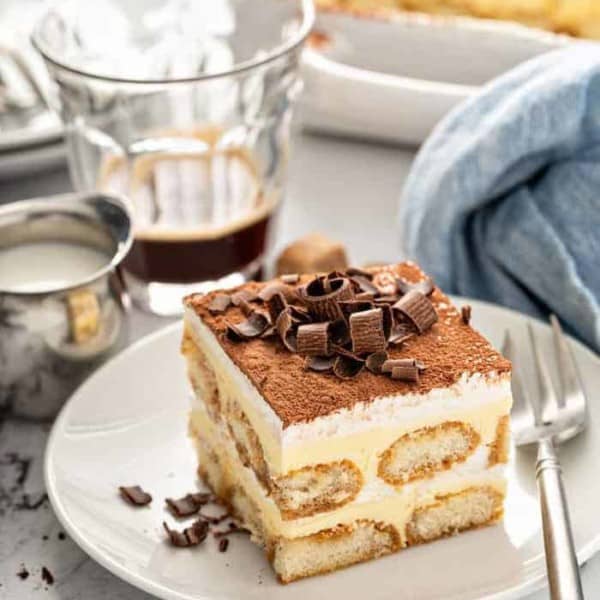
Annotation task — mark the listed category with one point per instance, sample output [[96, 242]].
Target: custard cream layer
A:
[[377, 501], [361, 433]]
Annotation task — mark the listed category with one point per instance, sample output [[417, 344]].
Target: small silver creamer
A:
[[53, 334]]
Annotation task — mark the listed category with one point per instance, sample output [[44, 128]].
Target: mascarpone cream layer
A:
[[377, 501], [363, 431]]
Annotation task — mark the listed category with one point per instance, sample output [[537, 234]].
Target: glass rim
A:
[[308, 21]]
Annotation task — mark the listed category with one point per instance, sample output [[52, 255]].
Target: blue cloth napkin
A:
[[503, 200]]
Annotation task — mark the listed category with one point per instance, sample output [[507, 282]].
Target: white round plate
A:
[[127, 425], [393, 78]]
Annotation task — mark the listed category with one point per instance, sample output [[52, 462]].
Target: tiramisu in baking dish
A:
[[346, 416], [580, 18]]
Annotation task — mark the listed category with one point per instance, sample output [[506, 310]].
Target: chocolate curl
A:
[[375, 361], [425, 286], [366, 331], [320, 364], [219, 304], [381, 300], [354, 271], [406, 373], [290, 278], [135, 495], [285, 328], [190, 504], [353, 306], [393, 363], [243, 296], [418, 309], [313, 339], [299, 314], [465, 314], [347, 366], [387, 320], [276, 287], [252, 327], [182, 507], [339, 333], [275, 305], [401, 332], [323, 305], [362, 285], [190, 536], [269, 332], [364, 297]]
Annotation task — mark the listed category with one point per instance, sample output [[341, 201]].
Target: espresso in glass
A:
[[203, 214], [186, 113]]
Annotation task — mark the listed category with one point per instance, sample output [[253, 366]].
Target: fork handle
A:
[[561, 560]]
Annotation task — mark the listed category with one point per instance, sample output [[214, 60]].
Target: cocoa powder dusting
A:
[[449, 349]]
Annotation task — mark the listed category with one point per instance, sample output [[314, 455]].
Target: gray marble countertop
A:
[[336, 187]]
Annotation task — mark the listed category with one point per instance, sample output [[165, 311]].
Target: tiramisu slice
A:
[[346, 416]]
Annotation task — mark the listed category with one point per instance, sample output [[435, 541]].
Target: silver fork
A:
[[548, 419]]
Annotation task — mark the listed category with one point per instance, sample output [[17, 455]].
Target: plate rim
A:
[[152, 587]]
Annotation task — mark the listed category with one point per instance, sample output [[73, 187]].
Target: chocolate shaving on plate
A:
[[285, 328], [406, 373], [223, 544], [190, 536], [189, 505], [347, 366], [219, 304], [313, 339], [465, 313], [290, 278], [425, 286], [252, 327], [375, 361], [214, 519], [233, 529], [135, 495], [320, 364], [366, 331], [418, 309], [203, 498]]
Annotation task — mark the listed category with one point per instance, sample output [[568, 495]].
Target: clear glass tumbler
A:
[[184, 107]]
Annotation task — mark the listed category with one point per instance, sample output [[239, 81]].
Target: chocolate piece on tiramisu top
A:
[[346, 415]]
